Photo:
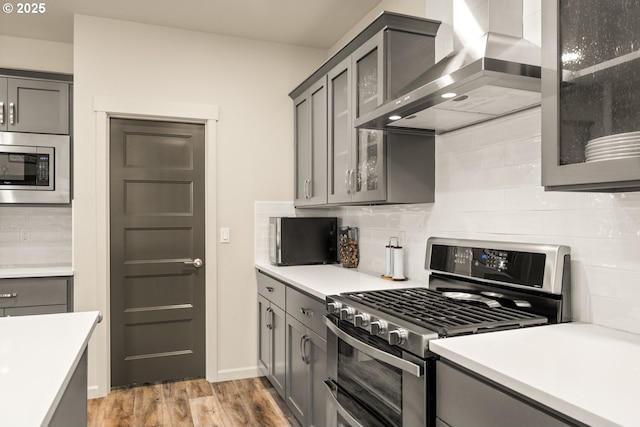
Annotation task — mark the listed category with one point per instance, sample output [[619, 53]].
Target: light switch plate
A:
[[224, 235]]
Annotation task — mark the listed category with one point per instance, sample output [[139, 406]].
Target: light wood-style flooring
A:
[[250, 402]]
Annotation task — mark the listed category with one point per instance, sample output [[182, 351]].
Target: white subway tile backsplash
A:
[[35, 236], [615, 313]]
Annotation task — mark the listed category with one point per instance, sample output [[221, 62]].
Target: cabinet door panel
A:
[[296, 390], [39, 106], [302, 148], [318, 184], [340, 133], [368, 152], [318, 354], [264, 333], [278, 350], [4, 108]]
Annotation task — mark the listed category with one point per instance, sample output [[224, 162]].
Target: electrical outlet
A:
[[24, 234]]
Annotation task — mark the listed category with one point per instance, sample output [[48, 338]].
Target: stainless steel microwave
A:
[[303, 240], [34, 168]]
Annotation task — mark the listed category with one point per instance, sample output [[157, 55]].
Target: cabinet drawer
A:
[[37, 309], [307, 310], [271, 289], [32, 292]]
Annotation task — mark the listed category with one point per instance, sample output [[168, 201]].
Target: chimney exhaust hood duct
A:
[[495, 75]]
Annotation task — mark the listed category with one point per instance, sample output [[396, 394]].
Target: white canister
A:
[[398, 263]]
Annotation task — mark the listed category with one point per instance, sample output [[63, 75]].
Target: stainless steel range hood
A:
[[495, 75]]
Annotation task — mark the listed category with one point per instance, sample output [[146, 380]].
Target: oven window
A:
[[18, 168], [374, 384]]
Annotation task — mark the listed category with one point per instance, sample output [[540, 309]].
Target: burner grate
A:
[[447, 317]]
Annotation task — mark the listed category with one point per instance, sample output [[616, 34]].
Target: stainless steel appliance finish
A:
[[34, 168], [303, 240], [498, 74], [380, 369]]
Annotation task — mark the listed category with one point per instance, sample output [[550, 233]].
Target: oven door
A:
[[372, 383]]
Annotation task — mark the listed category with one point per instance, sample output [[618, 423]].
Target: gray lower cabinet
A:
[[271, 331], [32, 105], [38, 295], [292, 347], [306, 371], [464, 400]]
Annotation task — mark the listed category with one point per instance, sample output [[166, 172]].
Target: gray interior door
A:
[[157, 232]]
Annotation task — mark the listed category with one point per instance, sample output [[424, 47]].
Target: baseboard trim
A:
[[238, 374]]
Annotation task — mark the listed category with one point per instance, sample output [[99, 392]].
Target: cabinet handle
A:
[[11, 295], [12, 113], [266, 318], [305, 352], [308, 188], [306, 311], [352, 180], [301, 348], [346, 181], [1, 113], [270, 289]]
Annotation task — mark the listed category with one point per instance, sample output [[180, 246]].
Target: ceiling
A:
[[311, 23]]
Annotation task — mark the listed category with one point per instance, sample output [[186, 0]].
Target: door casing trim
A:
[[106, 108]]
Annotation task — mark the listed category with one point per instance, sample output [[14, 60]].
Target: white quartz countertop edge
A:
[[588, 372], [38, 356], [35, 271], [324, 280]]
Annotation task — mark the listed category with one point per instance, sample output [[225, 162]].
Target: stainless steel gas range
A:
[[381, 372]]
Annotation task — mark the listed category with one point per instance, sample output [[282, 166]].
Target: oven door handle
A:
[[353, 422], [405, 365]]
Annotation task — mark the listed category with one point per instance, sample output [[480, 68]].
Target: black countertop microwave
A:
[[303, 240]]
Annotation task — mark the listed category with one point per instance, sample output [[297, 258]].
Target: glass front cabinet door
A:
[[591, 95], [356, 157]]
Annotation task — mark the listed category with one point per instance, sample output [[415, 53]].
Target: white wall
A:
[[249, 81], [36, 55]]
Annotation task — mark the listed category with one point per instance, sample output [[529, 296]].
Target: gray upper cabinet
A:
[[31, 105], [311, 146], [590, 94], [363, 166]]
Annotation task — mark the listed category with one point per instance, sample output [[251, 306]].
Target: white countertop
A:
[[588, 372], [38, 355], [35, 271], [323, 280]]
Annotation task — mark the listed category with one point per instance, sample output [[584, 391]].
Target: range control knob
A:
[[347, 313], [334, 307], [361, 320], [397, 336], [378, 327]]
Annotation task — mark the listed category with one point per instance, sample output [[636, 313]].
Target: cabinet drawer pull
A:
[[1, 113], [270, 289], [306, 311], [11, 295]]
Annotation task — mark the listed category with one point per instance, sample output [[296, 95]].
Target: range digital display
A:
[[521, 268]]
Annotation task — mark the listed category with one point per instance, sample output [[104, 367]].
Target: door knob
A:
[[197, 263]]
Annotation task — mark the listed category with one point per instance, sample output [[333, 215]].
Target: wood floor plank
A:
[[119, 408], [206, 412], [260, 405], [235, 412], [148, 408], [177, 412], [198, 388], [95, 412]]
